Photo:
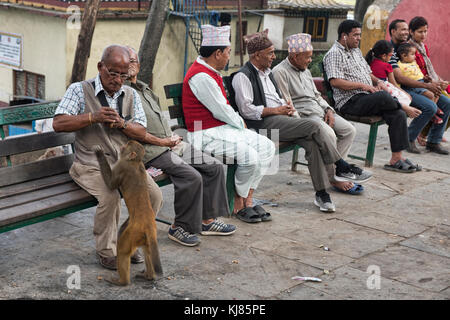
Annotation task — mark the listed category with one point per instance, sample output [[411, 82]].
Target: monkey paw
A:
[[145, 276], [116, 281], [97, 149]]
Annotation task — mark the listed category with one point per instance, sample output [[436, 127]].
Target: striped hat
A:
[[300, 42], [215, 36]]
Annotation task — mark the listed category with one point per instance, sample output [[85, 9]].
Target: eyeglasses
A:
[[123, 76]]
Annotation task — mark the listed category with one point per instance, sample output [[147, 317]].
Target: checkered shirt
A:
[[73, 102], [348, 65]]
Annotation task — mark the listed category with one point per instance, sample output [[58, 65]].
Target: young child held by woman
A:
[[409, 68]]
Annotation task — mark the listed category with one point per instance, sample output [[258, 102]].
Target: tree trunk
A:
[[361, 8], [84, 40], [154, 28]]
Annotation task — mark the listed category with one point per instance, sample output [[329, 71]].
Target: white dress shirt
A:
[[244, 94]]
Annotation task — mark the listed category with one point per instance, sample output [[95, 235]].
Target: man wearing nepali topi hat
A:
[[215, 127], [297, 85], [263, 106]]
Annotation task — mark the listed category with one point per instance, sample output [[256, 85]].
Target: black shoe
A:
[[436, 147], [412, 148]]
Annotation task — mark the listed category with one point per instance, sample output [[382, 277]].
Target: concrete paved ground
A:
[[392, 242]]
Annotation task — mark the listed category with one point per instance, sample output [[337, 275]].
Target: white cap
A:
[[215, 36]]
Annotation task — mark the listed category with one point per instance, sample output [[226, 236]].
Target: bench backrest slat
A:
[[27, 112], [174, 92], [35, 170], [32, 142], [175, 112]]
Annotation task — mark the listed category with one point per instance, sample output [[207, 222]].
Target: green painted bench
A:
[[36, 191], [373, 121], [174, 91]]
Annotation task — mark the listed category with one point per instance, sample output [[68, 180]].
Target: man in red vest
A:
[[215, 127]]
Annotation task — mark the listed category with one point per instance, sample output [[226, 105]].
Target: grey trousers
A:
[[200, 189], [343, 133], [310, 134]]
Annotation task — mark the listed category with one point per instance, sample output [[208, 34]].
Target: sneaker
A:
[[324, 203], [217, 228], [183, 237], [354, 174]]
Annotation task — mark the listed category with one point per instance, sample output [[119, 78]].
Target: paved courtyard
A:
[[392, 242]]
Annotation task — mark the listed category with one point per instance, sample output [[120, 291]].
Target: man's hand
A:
[[435, 88], [329, 118], [370, 89], [171, 141], [287, 110], [382, 87], [107, 115]]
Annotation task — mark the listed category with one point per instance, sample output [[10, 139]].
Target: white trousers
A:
[[253, 152]]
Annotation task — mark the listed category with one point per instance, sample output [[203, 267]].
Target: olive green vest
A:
[[157, 125]]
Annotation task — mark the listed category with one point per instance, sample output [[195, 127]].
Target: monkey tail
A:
[[152, 244]]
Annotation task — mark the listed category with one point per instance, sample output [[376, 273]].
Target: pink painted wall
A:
[[437, 13]]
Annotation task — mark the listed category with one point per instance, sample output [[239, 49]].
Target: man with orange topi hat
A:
[[263, 106]]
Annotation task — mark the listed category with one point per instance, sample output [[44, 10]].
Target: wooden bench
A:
[[373, 121], [174, 92], [36, 191]]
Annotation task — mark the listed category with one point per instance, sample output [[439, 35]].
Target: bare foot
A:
[[422, 140], [342, 185], [412, 112]]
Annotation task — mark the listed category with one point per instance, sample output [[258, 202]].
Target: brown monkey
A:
[[130, 176]]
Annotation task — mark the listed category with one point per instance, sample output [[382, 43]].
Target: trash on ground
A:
[[306, 279]]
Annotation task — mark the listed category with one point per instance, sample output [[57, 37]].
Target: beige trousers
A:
[[107, 215], [343, 133]]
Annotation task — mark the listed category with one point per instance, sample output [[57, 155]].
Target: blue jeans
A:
[[428, 109]]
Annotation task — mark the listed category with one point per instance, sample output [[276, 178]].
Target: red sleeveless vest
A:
[[193, 109]]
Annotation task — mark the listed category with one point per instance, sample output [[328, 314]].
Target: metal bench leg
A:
[[371, 144], [231, 170], [295, 159]]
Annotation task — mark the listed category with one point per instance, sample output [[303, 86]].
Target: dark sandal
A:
[[263, 214], [248, 215], [416, 166], [355, 190], [400, 166]]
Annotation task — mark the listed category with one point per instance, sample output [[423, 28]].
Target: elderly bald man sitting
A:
[[297, 85]]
